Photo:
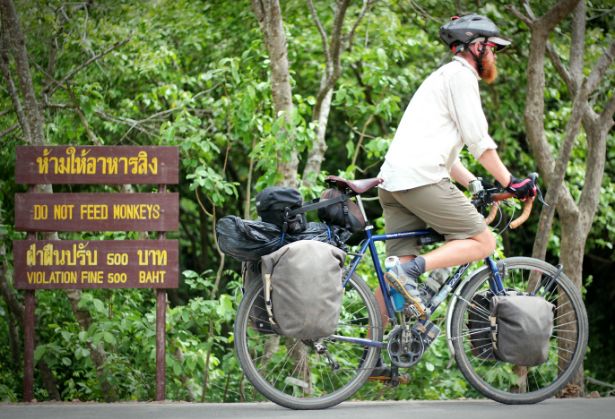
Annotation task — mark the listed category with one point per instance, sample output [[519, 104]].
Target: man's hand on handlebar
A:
[[522, 188]]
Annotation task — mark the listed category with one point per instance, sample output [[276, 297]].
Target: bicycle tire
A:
[[275, 374], [498, 380]]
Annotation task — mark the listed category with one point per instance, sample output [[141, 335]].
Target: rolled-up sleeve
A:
[[466, 109]]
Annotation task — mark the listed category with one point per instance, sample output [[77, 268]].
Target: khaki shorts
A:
[[440, 206]]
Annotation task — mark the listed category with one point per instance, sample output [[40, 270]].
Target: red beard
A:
[[489, 70]]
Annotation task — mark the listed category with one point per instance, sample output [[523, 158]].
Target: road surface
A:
[[601, 408]]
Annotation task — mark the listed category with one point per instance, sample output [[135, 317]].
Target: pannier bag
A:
[[274, 205], [346, 214], [258, 313], [303, 288], [247, 240], [521, 326], [479, 326]]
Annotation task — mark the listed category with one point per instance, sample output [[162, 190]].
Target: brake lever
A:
[[534, 177], [540, 197]]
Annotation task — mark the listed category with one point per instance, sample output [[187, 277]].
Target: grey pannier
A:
[[521, 328], [303, 288]]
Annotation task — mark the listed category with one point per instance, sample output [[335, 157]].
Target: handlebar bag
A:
[[521, 326], [303, 288]]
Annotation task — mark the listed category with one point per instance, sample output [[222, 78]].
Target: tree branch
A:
[[561, 69], [559, 11], [9, 130], [528, 9], [525, 19], [84, 121], [321, 29], [577, 44], [51, 88], [600, 69], [606, 117], [366, 5], [17, 40], [6, 73]]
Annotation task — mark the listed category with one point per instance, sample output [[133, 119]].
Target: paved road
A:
[[471, 409]]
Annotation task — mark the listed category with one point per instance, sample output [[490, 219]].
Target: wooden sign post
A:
[[64, 264]]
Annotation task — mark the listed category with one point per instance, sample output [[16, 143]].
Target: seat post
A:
[[360, 204]]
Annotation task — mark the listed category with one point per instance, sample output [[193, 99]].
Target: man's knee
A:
[[487, 241]]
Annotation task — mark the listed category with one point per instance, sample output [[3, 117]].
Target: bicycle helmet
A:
[[463, 30]]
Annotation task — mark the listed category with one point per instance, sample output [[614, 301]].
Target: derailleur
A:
[[321, 349]]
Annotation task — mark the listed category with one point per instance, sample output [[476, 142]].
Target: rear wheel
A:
[[309, 374], [508, 383]]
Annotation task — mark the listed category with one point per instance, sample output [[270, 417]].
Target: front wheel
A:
[[502, 381], [301, 374]]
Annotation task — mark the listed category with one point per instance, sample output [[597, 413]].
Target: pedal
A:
[[389, 376]]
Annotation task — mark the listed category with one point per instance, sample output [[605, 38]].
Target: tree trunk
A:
[[317, 153], [332, 51], [270, 19], [32, 123], [16, 39]]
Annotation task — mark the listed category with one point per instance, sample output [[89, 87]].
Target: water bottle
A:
[[397, 299]]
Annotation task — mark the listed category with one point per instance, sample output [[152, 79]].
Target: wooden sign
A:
[[97, 212], [51, 264], [97, 165]]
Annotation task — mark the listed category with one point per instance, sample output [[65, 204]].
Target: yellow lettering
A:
[[151, 277], [36, 277], [136, 211], [152, 257], [62, 277], [116, 278], [63, 212], [91, 277], [40, 212], [94, 212], [114, 259]]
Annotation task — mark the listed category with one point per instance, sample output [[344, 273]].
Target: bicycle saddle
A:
[[358, 186]]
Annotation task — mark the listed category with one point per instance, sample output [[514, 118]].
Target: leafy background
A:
[[195, 74]]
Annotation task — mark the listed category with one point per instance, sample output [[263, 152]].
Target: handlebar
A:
[[525, 214], [493, 196]]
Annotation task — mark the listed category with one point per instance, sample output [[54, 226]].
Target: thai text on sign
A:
[[96, 212], [97, 165], [48, 264]]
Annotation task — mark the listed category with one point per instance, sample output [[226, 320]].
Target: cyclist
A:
[[444, 115]]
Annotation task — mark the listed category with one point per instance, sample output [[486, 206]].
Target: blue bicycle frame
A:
[[451, 283]]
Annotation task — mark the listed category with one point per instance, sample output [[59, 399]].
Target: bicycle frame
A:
[[369, 243]]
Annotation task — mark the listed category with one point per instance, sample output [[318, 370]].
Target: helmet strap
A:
[[478, 59]]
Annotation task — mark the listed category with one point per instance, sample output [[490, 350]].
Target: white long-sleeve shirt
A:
[[444, 114]]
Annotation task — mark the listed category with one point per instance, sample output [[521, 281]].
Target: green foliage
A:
[[195, 74]]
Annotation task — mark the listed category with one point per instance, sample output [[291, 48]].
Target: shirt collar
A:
[[465, 62]]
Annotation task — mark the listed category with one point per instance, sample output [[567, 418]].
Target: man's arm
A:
[[460, 174], [491, 161]]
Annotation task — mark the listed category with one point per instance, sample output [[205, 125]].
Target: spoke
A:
[[474, 332], [559, 348], [486, 345], [558, 308], [559, 325], [564, 339], [286, 359], [567, 361], [564, 315]]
